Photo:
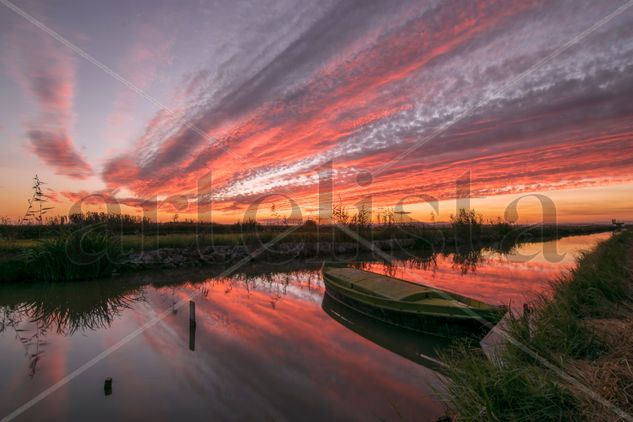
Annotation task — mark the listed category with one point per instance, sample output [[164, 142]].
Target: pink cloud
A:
[[370, 104], [53, 195], [46, 73], [56, 150]]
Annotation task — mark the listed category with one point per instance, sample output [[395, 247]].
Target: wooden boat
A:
[[410, 305]]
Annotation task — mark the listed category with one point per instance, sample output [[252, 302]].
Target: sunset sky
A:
[[141, 100]]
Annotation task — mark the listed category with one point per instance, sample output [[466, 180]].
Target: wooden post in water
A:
[[107, 386], [192, 338], [192, 314], [192, 325]]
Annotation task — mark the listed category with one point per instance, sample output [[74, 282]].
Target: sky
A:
[[211, 108]]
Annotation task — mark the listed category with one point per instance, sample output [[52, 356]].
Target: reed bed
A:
[[76, 255]]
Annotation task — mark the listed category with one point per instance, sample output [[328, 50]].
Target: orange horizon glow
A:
[[595, 205]]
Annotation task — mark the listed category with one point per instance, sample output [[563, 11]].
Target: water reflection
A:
[[66, 308], [463, 261], [417, 347], [493, 276], [267, 344], [32, 313], [467, 261]]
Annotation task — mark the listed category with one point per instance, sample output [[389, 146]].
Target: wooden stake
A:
[[192, 338], [192, 314], [107, 386]]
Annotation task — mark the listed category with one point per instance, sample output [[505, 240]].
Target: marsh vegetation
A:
[[574, 343]]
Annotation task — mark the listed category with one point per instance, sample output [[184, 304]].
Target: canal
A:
[[267, 345]]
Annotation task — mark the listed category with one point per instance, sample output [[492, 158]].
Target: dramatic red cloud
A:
[[341, 99], [373, 102], [56, 150], [53, 196], [47, 74]]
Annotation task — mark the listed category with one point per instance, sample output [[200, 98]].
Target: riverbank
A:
[[90, 252], [572, 354]]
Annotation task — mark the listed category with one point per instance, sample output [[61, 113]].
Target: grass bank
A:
[[58, 254], [582, 328], [68, 256], [13, 242]]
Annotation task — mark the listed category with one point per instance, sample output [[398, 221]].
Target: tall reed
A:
[[75, 255]]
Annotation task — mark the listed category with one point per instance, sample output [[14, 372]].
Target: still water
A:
[[266, 344]]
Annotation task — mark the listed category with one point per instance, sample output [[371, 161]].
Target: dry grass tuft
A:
[[611, 375]]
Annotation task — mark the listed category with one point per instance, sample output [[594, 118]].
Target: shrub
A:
[[467, 225]]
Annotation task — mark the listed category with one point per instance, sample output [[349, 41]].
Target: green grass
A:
[[76, 255], [592, 290], [17, 245], [186, 240], [520, 387], [423, 235], [481, 391]]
